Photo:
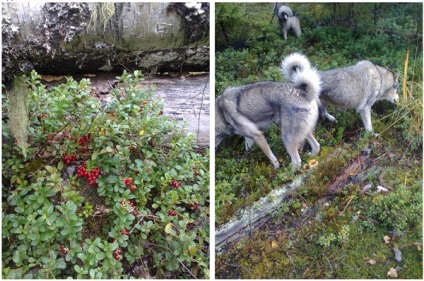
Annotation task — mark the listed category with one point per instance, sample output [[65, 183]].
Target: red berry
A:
[[124, 232], [128, 181], [195, 206]]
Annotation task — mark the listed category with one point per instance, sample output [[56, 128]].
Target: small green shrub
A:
[[399, 210]]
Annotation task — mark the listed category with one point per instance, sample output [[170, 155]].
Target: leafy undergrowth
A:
[[114, 190]]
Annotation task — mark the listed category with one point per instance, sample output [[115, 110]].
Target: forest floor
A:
[[340, 222]]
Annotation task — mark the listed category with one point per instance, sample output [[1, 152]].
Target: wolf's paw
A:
[[331, 118], [313, 153]]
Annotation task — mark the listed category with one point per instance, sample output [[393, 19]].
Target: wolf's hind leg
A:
[[313, 143], [263, 144], [293, 150]]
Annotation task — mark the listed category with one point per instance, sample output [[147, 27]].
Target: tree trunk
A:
[[64, 38]]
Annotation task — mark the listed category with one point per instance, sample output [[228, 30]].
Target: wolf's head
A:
[[390, 88], [222, 128]]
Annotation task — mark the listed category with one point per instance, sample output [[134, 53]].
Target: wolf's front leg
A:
[[366, 118], [248, 142], [330, 117]]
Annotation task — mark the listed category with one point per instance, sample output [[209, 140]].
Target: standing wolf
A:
[[287, 19], [354, 87], [248, 110]]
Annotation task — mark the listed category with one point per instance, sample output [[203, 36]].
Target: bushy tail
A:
[[294, 63], [309, 81], [284, 12], [297, 70]]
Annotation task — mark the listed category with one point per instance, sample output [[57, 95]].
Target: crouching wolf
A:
[[248, 110], [287, 19], [354, 87]]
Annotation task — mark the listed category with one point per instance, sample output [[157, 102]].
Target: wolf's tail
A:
[[284, 12], [309, 81], [297, 69], [294, 63]]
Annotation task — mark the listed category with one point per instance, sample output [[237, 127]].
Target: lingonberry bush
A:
[[105, 190]]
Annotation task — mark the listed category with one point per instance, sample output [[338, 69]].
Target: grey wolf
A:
[[354, 87], [287, 19], [248, 110]]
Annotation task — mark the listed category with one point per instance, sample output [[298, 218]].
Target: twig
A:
[[332, 270], [348, 203], [187, 269], [239, 265], [411, 244]]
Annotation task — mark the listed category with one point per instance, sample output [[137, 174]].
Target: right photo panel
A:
[[318, 140]]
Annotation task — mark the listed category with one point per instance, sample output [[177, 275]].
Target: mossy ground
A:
[[322, 233]]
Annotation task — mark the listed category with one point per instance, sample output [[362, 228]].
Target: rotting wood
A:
[[250, 219], [253, 217]]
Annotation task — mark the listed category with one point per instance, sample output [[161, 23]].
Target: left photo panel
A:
[[105, 140]]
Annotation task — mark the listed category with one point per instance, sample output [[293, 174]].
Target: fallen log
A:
[[77, 37], [253, 217]]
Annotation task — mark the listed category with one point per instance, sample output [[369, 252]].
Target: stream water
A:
[[189, 99]]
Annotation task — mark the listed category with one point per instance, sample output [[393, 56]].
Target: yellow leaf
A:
[[372, 261], [192, 250], [170, 230], [141, 132], [274, 244], [392, 273]]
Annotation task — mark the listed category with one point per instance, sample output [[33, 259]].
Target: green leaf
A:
[[72, 207], [100, 256], [78, 269], [50, 169], [174, 196], [112, 179], [60, 263], [82, 256], [60, 165], [65, 231]]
